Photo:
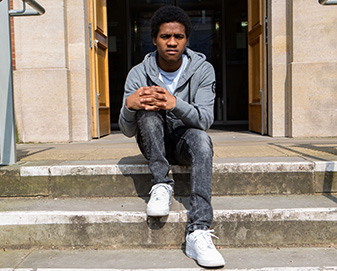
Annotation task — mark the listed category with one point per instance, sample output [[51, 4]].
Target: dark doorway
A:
[[219, 31]]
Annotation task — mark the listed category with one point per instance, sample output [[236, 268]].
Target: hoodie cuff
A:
[[128, 114], [180, 108]]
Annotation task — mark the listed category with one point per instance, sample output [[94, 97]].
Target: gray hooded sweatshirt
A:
[[195, 92]]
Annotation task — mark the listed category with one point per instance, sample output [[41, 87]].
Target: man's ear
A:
[[154, 42]]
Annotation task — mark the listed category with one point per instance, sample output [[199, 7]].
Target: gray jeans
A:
[[163, 139]]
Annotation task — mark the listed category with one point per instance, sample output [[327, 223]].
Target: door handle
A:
[[96, 44]]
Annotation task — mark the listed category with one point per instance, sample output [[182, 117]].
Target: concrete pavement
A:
[[244, 259], [228, 145]]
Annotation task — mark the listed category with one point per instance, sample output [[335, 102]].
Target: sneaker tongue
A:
[[207, 240]]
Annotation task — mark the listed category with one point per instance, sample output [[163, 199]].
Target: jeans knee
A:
[[149, 119], [199, 142]]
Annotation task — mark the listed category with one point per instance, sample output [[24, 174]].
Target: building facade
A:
[[275, 62]]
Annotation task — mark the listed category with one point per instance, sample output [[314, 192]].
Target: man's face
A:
[[171, 42]]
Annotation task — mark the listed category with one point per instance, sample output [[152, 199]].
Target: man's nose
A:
[[172, 41]]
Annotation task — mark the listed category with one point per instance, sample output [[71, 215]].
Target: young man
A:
[[168, 105]]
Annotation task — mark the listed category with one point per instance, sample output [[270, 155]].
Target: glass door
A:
[[206, 37], [118, 51], [141, 12], [236, 62]]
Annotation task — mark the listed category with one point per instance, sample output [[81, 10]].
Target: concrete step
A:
[[131, 177], [243, 259], [241, 221]]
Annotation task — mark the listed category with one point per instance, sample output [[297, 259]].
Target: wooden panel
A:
[[253, 13], [99, 69], [256, 67], [103, 83], [102, 39], [255, 113], [101, 15], [104, 120], [93, 95]]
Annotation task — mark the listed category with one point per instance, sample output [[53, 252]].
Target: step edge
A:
[[129, 169], [15, 218], [307, 268]]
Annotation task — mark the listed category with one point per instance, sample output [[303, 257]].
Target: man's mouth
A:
[[171, 51]]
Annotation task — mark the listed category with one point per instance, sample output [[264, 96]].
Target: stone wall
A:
[[51, 80], [277, 67], [313, 66], [302, 69]]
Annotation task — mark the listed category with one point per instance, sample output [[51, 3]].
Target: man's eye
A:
[[179, 37]]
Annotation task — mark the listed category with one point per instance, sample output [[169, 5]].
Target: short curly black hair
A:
[[168, 14]]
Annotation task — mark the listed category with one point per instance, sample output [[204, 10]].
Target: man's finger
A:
[[147, 100], [160, 90], [160, 97], [152, 108]]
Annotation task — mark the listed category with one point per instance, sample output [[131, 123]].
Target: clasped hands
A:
[[152, 98]]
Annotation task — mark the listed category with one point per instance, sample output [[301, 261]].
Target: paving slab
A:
[[227, 144], [253, 259]]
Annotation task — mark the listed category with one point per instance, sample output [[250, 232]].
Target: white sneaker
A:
[[200, 247], [160, 201]]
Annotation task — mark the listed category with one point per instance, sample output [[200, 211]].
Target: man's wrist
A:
[[127, 104], [174, 103]]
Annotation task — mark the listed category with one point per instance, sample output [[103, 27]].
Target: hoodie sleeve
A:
[[127, 117], [199, 113]]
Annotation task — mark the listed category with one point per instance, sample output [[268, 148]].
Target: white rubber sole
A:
[[156, 212], [204, 263]]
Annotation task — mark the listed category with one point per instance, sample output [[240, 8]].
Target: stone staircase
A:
[[269, 214], [96, 223]]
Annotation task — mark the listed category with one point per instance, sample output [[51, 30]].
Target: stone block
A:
[[78, 61], [100, 186], [314, 99], [278, 100], [268, 233], [314, 32], [326, 182], [260, 183], [80, 92], [277, 22], [80, 233], [40, 41], [13, 185], [42, 105]]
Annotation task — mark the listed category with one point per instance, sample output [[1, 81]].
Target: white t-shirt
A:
[[170, 79]]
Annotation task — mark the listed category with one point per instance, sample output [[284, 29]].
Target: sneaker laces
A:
[[157, 193], [207, 234], [210, 232]]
